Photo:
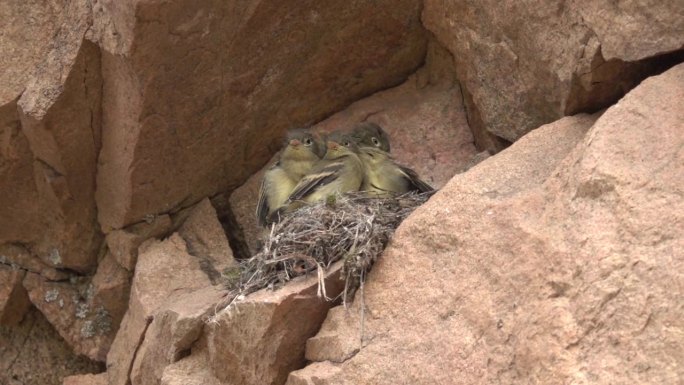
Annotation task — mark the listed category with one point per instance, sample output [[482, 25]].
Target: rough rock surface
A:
[[165, 270], [32, 353], [109, 289], [523, 64], [86, 379], [18, 257], [191, 370], [49, 140], [261, 339], [27, 31], [118, 117], [172, 332], [86, 312], [192, 97], [199, 95], [543, 264], [633, 30], [14, 301], [124, 243], [424, 118], [206, 240]]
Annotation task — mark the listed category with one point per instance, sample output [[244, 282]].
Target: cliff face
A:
[[131, 138], [559, 260]]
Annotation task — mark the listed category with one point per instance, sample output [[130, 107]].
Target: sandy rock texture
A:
[[178, 332], [199, 95], [165, 271], [557, 261], [33, 353], [523, 64], [86, 379], [50, 134], [86, 314], [14, 301], [257, 340], [424, 118]]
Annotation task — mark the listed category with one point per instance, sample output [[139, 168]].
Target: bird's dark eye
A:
[[346, 144], [375, 141], [308, 141]]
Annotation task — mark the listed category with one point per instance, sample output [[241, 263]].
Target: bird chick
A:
[[302, 151], [383, 176], [338, 172], [368, 134]]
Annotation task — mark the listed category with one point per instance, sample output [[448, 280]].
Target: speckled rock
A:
[[50, 135], [33, 353]]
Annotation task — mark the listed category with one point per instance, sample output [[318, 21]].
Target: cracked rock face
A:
[[49, 141], [198, 97], [524, 64], [86, 314], [558, 260], [114, 115], [165, 270], [33, 353]]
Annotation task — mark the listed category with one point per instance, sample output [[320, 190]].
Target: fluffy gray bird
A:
[[302, 151]]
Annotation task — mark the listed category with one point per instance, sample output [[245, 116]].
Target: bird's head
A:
[[301, 143], [367, 134], [339, 144]]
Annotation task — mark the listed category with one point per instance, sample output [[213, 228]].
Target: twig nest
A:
[[352, 227]]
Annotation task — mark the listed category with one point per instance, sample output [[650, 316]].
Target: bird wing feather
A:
[[414, 180], [316, 180], [263, 207]]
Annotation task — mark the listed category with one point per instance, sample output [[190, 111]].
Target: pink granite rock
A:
[[558, 260], [524, 64], [165, 271]]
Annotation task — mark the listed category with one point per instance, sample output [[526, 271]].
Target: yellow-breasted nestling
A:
[[338, 172], [384, 177], [302, 151]]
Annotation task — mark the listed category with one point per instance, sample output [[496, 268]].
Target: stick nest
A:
[[352, 227]]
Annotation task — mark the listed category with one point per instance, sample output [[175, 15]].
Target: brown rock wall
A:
[[522, 62], [200, 92], [164, 271], [548, 263], [14, 301], [50, 139], [33, 353]]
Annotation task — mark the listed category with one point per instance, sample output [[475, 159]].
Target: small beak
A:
[[333, 146], [295, 142]]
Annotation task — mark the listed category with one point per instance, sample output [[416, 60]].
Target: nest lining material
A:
[[352, 227]]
